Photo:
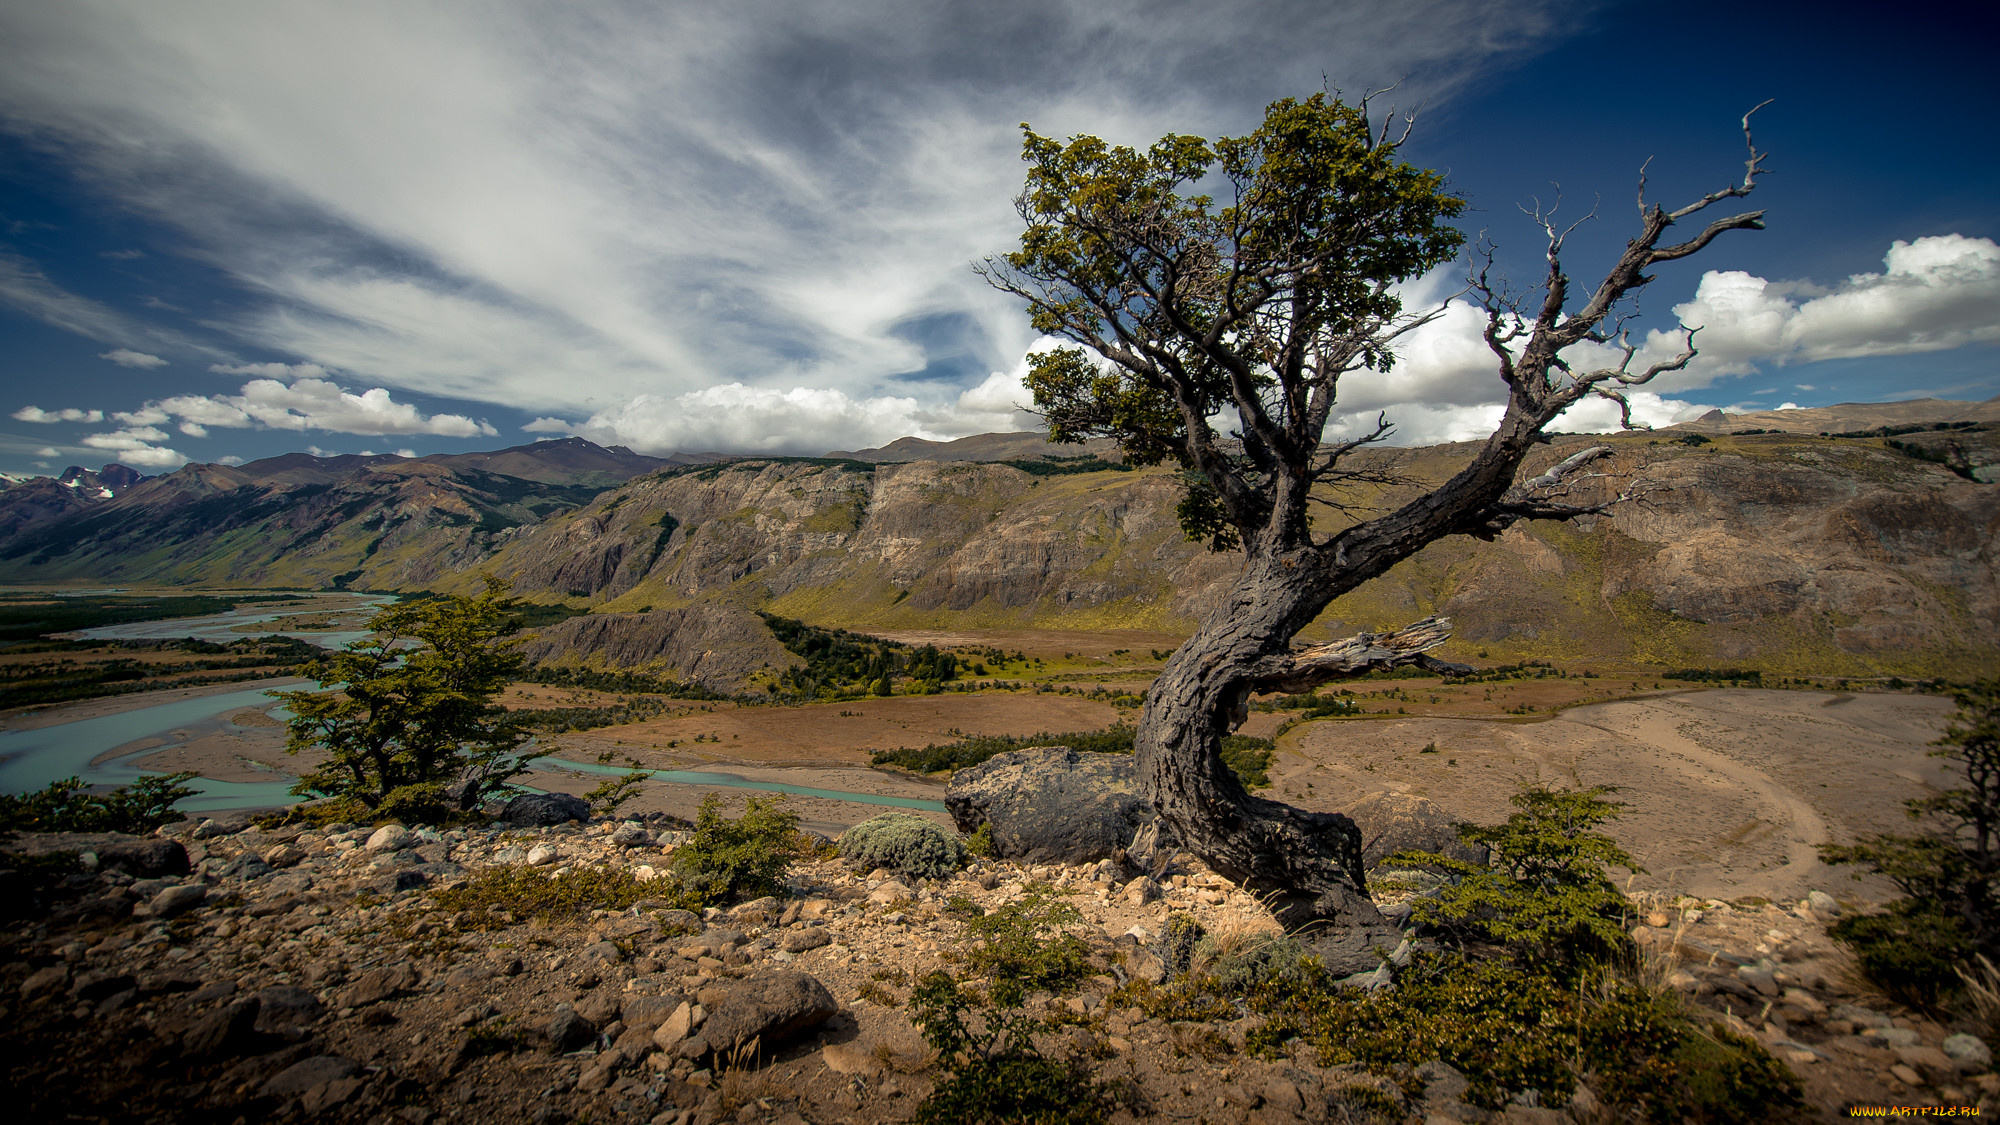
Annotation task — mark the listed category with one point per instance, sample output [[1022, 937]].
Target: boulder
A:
[[799, 941], [767, 1008], [177, 900], [1050, 804], [302, 1077], [648, 1012], [146, 858], [539, 810], [567, 1030], [228, 1030], [389, 838], [1969, 1051], [1397, 822], [287, 1010], [377, 985]]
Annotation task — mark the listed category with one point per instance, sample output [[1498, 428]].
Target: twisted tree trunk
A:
[[1310, 862]]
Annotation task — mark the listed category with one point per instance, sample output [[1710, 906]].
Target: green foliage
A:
[[501, 896], [522, 616], [558, 720], [1028, 946], [622, 682], [66, 806], [1216, 303], [1249, 757], [1950, 871], [980, 843], [905, 843], [404, 723], [1511, 1029], [1913, 949], [1544, 891], [27, 620], [29, 683], [612, 793], [742, 858], [993, 1070], [837, 660], [1064, 466]]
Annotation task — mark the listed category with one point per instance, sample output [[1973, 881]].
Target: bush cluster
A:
[[742, 858], [904, 843], [499, 896], [67, 806]]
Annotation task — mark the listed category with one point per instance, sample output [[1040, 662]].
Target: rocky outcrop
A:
[[1050, 804], [717, 646], [765, 1010], [534, 810]]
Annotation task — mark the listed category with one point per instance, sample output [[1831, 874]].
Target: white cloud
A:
[[232, 459], [67, 414], [306, 404], [139, 447], [126, 357], [48, 451], [568, 209], [271, 370]]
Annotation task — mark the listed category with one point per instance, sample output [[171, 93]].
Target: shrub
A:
[[1544, 890], [993, 1070], [487, 899], [1510, 1030], [1950, 872], [1027, 947], [742, 858], [980, 843], [66, 806], [905, 843]]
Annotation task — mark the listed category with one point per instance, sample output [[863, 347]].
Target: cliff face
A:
[[1790, 552], [713, 645]]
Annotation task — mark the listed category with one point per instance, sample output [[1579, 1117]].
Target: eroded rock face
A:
[[717, 646], [1050, 804]]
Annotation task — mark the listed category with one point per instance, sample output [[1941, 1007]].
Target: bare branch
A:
[[1358, 655]]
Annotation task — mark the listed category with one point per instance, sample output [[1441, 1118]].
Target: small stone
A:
[[377, 985], [1969, 1052], [768, 1007], [43, 981], [389, 838], [230, 1029], [1822, 904], [630, 835], [177, 900], [1930, 1062], [1905, 1075], [541, 855], [1760, 977], [677, 1026], [1893, 1036], [890, 891], [799, 941]]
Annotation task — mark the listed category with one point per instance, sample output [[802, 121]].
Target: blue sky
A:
[[233, 230]]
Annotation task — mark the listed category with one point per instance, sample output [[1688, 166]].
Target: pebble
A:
[[541, 855]]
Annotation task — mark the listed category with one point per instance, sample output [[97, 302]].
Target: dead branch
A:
[[1358, 655]]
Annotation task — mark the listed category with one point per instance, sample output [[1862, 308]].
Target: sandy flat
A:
[[1727, 791]]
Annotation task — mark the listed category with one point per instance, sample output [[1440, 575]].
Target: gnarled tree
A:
[[1258, 307]]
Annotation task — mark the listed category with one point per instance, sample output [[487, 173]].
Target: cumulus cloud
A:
[[138, 446], [126, 357], [67, 414], [305, 404], [271, 370]]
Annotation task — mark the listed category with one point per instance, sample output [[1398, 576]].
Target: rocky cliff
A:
[[1784, 551]]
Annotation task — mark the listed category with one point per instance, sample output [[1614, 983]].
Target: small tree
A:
[[1950, 872], [1184, 308], [408, 721]]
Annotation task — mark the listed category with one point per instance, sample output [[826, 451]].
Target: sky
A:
[[231, 230]]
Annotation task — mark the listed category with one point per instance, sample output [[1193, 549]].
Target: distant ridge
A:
[[1845, 417], [980, 447]]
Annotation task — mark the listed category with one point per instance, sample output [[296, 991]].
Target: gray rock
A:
[[540, 810], [1969, 1052], [1397, 822], [377, 985], [177, 900], [811, 937], [1349, 950], [630, 835], [288, 1011], [389, 838], [649, 1012], [672, 921], [229, 1030], [95, 986], [1760, 977], [1823, 904], [1895, 1036], [567, 1030], [541, 855], [1442, 1081], [302, 1077], [147, 858], [1050, 804], [767, 1007]]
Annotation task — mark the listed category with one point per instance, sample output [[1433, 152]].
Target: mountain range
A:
[[1780, 548]]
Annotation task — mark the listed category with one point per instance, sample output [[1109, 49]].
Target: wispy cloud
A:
[[589, 212], [126, 357]]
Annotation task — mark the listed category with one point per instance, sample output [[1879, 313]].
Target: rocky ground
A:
[[218, 972]]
